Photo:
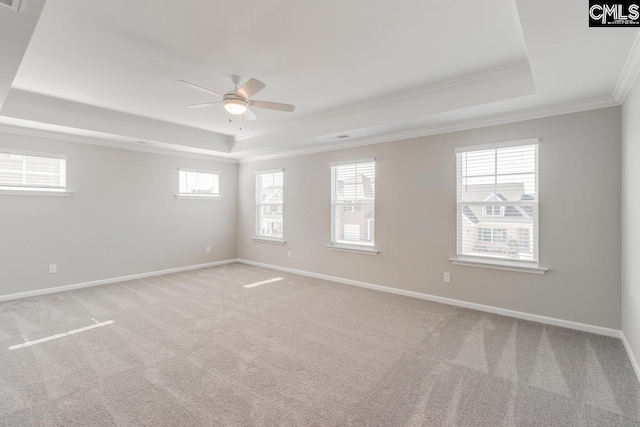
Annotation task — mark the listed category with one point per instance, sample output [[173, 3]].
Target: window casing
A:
[[497, 203], [199, 184], [353, 204], [270, 204], [21, 171]]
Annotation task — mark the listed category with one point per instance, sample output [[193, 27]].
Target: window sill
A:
[[35, 193], [268, 240], [498, 265], [183, 197], [357, 250]]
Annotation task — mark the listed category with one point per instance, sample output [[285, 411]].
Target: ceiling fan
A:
[[237, 101]]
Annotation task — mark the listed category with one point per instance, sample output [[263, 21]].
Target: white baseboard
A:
[[111, 280], [632, 357], [458, 303]]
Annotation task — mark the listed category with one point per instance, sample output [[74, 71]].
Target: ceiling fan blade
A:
[[206, 104], [195, 86], [250, 88], [249, 115], [273, 106]]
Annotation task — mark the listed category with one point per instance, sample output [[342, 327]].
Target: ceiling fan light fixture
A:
[[235, 106], [237, 101]]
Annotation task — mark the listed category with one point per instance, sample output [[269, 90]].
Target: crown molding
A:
[[499, 119], [535, 113], [629, 72], [111, 143], [40, 111], [521, 68], [518, 22]]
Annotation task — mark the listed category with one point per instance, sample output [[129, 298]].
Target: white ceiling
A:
[[15, 32], [358, 67], [125, 55]]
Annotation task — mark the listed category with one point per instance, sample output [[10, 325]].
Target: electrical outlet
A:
[[290, 254], [208, 250], [53, 268], [447, 277]]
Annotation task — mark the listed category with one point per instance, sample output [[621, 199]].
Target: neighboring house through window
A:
[[353, 203], [497, 200], [524, 239], [492, 235], [269, 204]]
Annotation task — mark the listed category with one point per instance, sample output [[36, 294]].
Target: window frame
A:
[[24, 190], [259, 205], [190, 196], [499, 263], [341, 245]]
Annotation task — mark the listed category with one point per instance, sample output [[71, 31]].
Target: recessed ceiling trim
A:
[[518, 22], [521, 68], [111, 143], [44, 110], [535, 113], [499, 119], [629, 72], [11, 4]]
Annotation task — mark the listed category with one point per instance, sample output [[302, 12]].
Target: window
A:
[[524, 239], [492, 235], [270, 204], [498, 202], [199, 184], [353, 203], [32, 172], [493, 211]]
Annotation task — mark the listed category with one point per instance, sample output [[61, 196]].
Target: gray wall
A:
[[580, 156], [630, 215], [123, 218]]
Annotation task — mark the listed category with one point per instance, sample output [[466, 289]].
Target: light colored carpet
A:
[[198, 349]]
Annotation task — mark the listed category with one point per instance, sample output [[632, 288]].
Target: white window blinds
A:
[[498, 202], [270, 204], [32, 172], [353, 203], [194, 183]]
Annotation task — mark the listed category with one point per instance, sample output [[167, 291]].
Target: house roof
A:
[[514, 191]]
